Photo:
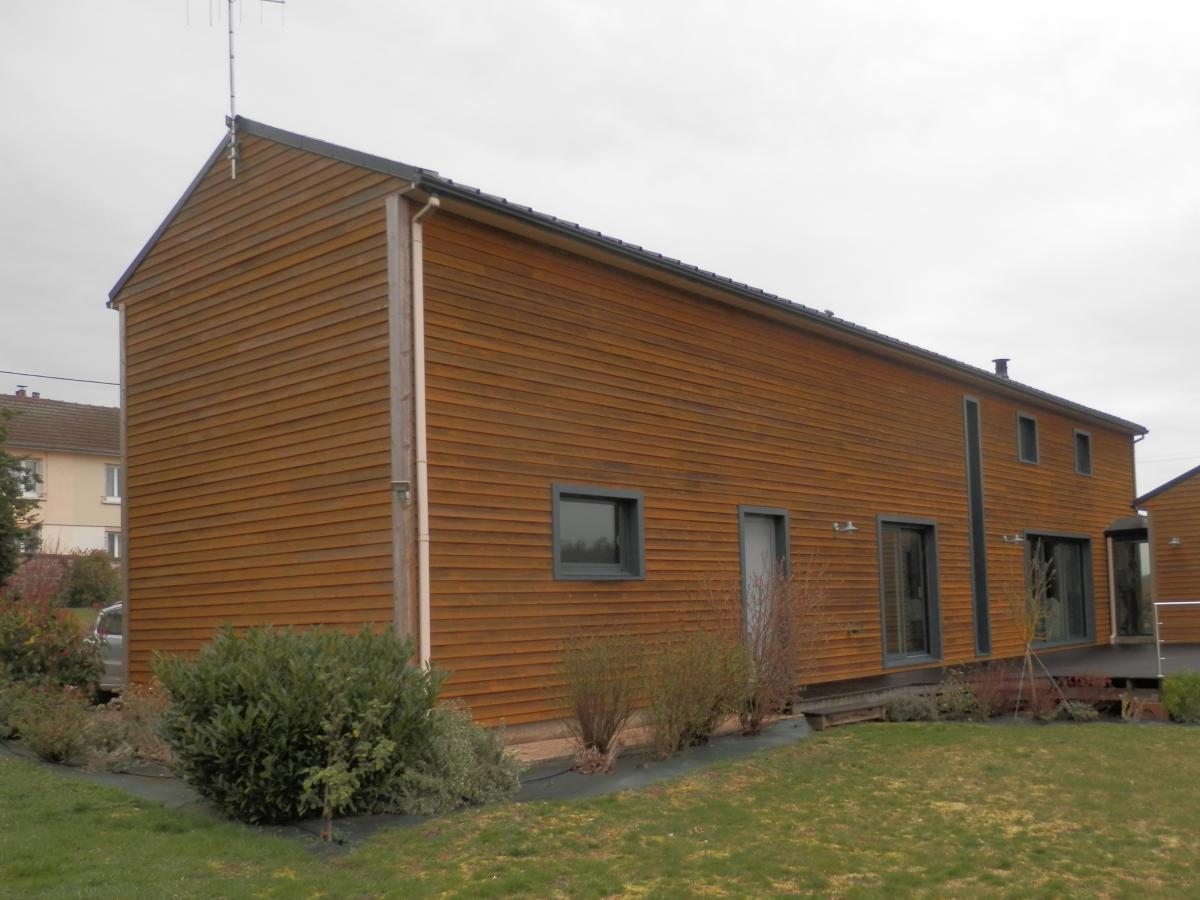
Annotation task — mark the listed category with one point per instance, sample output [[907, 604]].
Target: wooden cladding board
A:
[[1175, 513], [257, 402], [547, 367]]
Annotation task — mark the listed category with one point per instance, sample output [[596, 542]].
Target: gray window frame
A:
[[634, 567], [936, 650], [1089, 589], [1037, 449], [781, 537], [1078, 433]]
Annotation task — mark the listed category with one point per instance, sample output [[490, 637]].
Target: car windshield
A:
[[110, 623]]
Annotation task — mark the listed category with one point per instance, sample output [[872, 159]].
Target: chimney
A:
[[1001, 366], [36, 395], [20, 390]]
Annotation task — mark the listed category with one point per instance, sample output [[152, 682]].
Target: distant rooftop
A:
[[39, 423]]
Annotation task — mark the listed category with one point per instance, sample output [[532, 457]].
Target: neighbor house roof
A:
[[41, 424], [1163, 488], [430, 182]]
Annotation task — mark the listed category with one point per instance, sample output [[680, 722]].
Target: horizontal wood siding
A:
[[257, 406], [547, 367], [1176, 513]]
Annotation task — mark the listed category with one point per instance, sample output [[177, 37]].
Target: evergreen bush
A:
[[1181, 696], [270, 724]]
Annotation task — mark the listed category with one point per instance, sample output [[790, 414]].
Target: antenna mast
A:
[[233, 147], [233, 142]]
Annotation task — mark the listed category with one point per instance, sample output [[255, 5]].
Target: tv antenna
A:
[[232, 152]]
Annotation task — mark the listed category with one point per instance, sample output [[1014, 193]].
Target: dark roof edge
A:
[[60, 448], [170, 217], [1177, 480], [430, 181]]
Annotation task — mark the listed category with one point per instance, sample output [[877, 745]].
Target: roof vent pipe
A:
[[1001, 366]]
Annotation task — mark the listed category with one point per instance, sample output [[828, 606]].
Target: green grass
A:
[[897, 810]]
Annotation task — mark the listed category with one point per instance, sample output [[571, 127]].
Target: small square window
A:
[[1083, 453], [112, 484], [1027, 439], [597, 534]]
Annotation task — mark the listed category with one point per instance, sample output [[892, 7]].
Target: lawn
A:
[[913, 810]]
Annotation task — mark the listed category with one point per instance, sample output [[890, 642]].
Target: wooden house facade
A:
[[357, 392], [1172, 556]]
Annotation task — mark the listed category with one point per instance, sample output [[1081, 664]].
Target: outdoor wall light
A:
[[845, 527], [1174, 542], [1013, 538]]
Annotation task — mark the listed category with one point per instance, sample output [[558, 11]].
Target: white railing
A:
[[1158, 633]]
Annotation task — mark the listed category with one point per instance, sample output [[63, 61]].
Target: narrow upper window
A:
[[597, 534], [112, 543], [35, 479], [1027, 439], [112, 484], [1083, 453]]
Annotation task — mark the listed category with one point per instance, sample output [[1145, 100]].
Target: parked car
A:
[[109, 635]]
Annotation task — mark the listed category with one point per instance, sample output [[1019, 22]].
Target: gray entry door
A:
[[759, 558]]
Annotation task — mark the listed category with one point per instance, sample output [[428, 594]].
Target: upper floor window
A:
[[112, 484], [35, 478], [1027, 439], [1083, 453], [597, 534]]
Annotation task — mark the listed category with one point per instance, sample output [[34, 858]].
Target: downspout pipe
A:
[[424, 640]]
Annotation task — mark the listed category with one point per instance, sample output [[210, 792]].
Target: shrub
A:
[[781, 628], [1181, 696], [694, 682], [467, 766], [912, 708], [994, 687], [37, 643], [1076, 711], [90, 580], [125, 730], [253, 717], [603, 676], [955, 700], [54, 722]]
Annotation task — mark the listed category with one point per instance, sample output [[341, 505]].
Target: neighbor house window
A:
[[1083, 453], [112, 543], [909, 591], [1067, 614], [1027, 439], [35, 478], [112, 484], [597, 533]]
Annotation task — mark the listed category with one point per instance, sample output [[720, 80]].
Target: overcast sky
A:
[[1004, 179]]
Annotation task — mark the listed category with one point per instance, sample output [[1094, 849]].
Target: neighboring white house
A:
[[75, 450]]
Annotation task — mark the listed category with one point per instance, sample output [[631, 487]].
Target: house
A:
[[358, 392], [74, 450], [1171, 554]]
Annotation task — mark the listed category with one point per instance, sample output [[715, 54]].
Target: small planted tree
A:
[[17, 512], [1028, 604]]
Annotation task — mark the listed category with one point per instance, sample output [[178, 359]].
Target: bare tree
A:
[[1028, 604]]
